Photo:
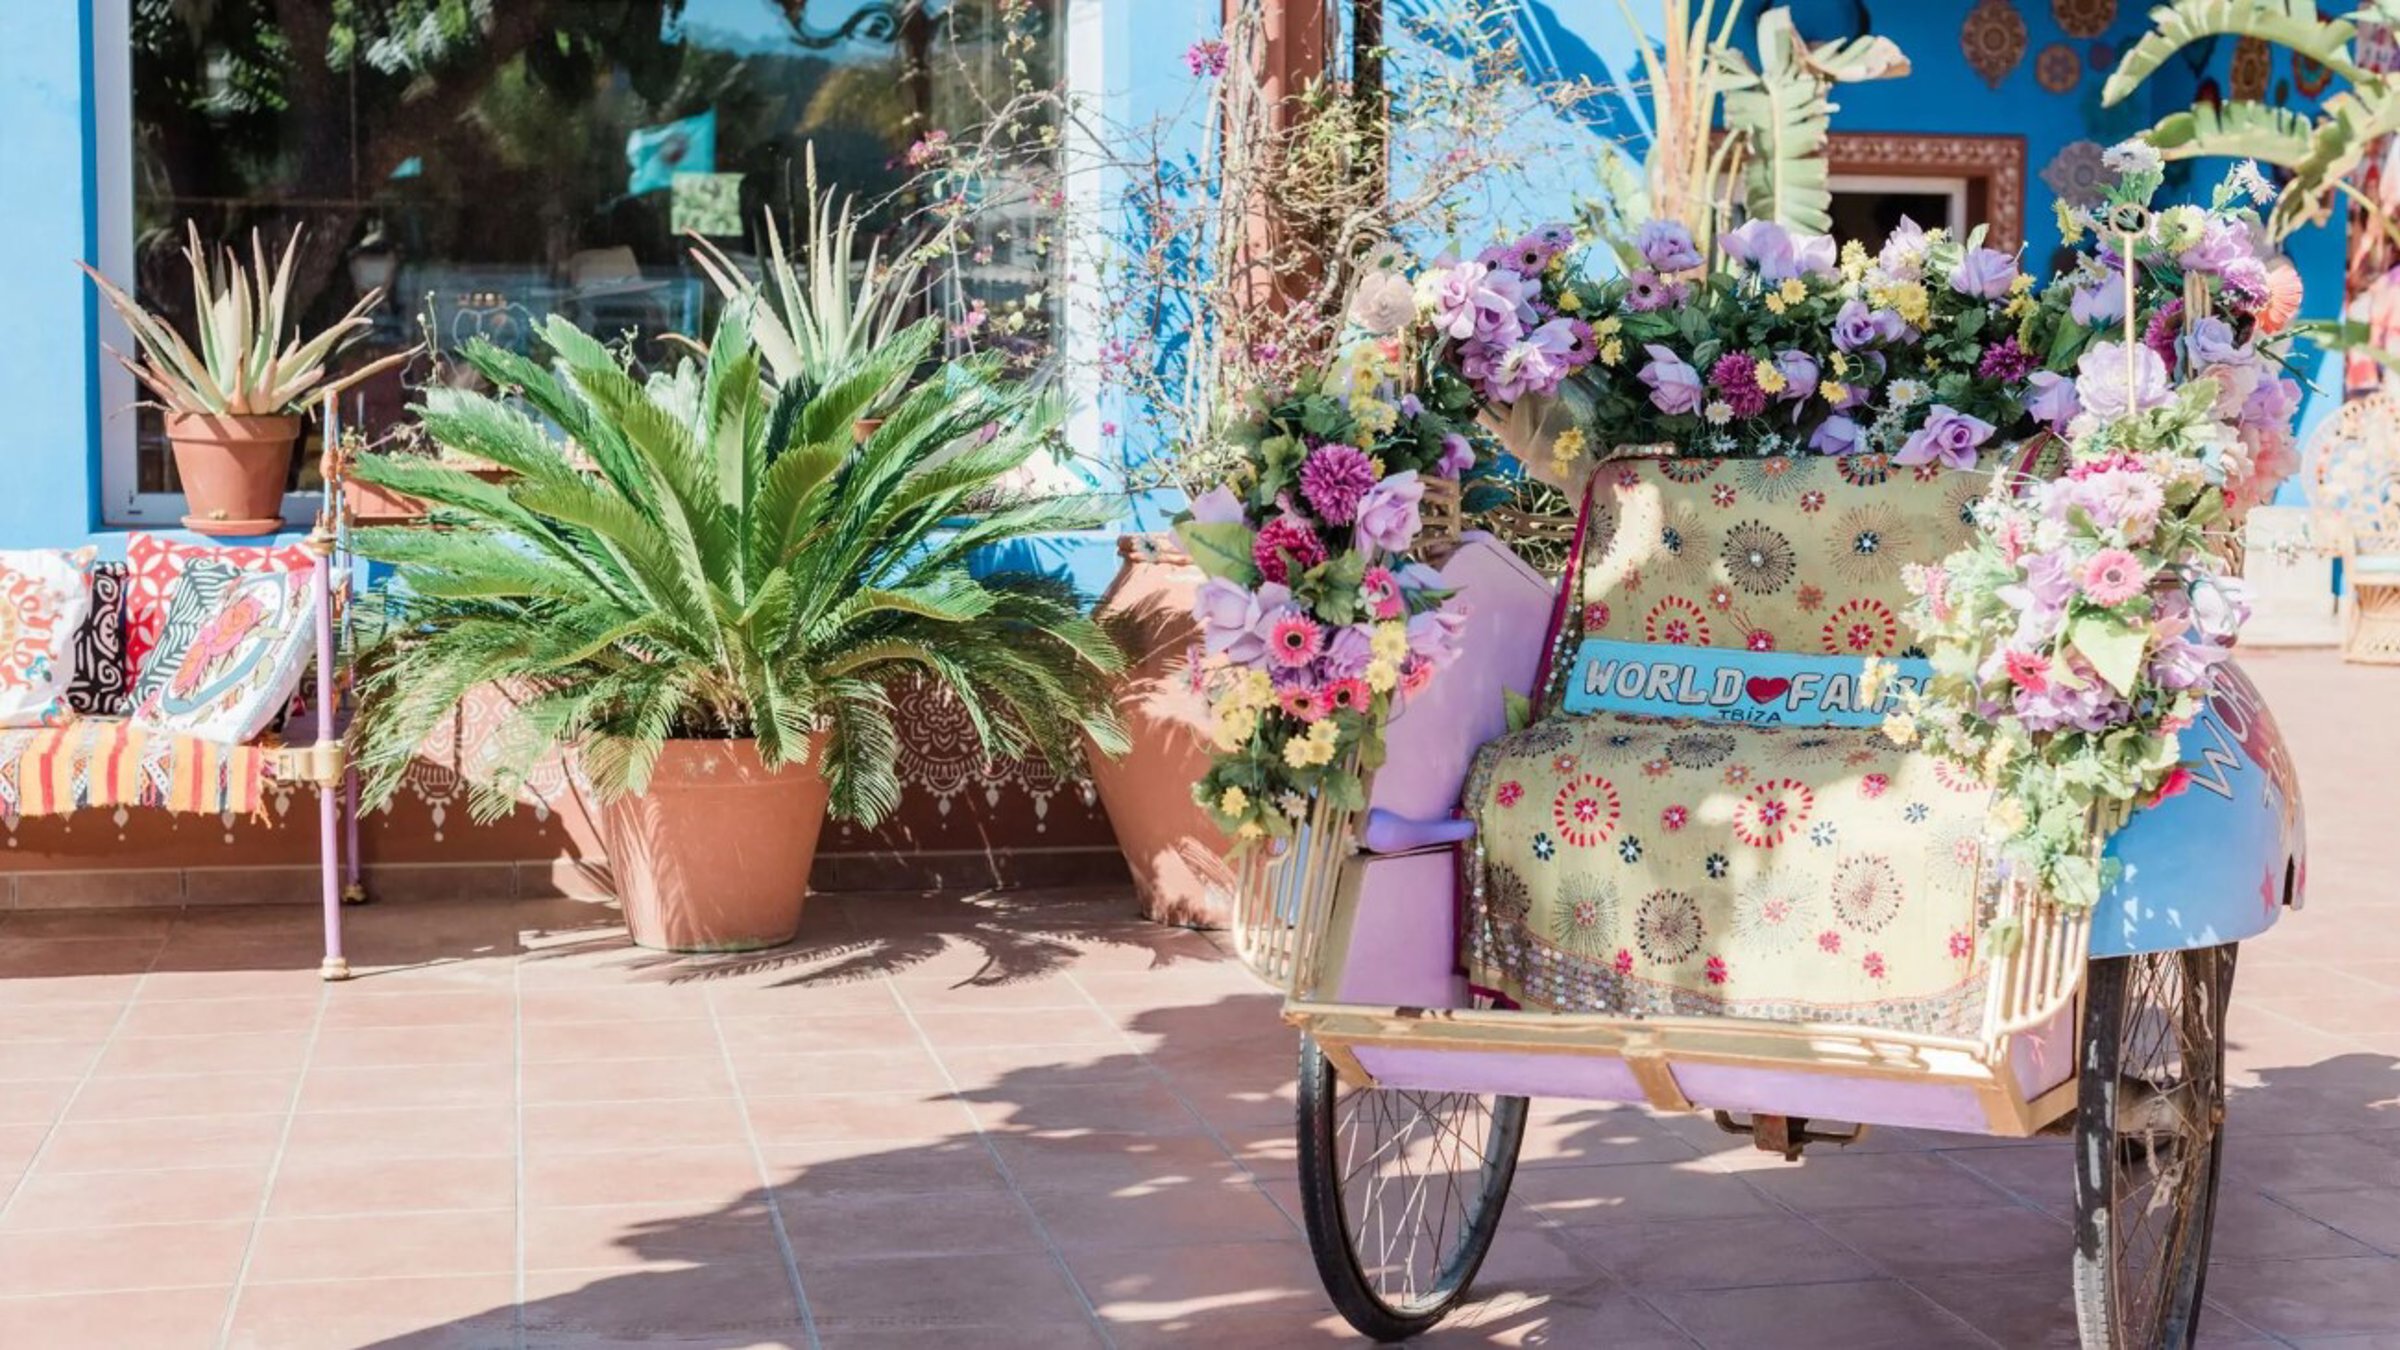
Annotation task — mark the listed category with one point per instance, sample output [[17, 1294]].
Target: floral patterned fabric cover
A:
[[233, 650], [154, 564], [44, 596], [1691, 866]]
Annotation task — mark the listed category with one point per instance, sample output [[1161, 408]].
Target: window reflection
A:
[[492, 165]]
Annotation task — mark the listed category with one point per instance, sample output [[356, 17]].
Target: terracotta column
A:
[[1291, 54]]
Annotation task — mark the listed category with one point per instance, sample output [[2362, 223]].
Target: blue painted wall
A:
[[49, 359]]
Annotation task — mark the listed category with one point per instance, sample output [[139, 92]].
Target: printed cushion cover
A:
[[154, 564], [44, 594], [102, 684], [1790, 555], [232, 652], [1639, 864]]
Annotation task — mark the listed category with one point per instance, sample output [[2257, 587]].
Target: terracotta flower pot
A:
[[715, 856], [375, 504], [233, 470], [1176, 853]]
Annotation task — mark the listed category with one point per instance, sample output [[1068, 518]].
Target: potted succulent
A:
[[815, 319], [709, 618], [233, 406]]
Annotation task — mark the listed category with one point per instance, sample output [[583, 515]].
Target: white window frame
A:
[[1091, 40]]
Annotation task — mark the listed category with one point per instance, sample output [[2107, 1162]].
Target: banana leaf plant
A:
[[1773, 116], [2319, 152], [732, 564]]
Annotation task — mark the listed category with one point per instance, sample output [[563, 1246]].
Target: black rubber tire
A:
[[2121, 1301], [1346, 1280]]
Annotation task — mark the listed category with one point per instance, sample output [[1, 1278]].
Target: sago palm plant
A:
[[734, 564]]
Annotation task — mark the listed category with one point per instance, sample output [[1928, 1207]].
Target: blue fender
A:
[[2220, 861]]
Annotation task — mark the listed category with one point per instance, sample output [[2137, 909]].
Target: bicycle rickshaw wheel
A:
[[1401, 1192], [2149, 1123]]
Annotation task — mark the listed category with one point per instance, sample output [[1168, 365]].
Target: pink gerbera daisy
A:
[[1381, 590], [2029, 671], [2112, 577], [1306, 704], [1295, 640], [1351, 695]]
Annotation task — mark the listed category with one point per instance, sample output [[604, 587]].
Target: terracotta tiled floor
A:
[[1030, 1122]]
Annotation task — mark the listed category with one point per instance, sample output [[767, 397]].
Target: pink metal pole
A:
[[355, 892], [329, 795]]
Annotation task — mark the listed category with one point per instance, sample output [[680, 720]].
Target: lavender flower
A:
[[2110, 385], [1800, 375], [1217, 506], [1903, 254], [1474, 300], [1948, 436], [1985, 274], [1348, 652], [1837, 435], [1387, 514], [1645, 291], [2209, 342], [1667, 246], [1234, 620], [1458, 456], [1856, 326], [1675, 387], [2050, 398], [1779, 255]]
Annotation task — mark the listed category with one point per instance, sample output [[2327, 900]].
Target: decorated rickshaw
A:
[[1878, 760]]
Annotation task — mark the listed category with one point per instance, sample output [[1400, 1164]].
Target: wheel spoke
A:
[[1411, 1171]]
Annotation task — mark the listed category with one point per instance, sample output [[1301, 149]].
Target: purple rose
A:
[[1837, 435], [1856, 326], [1674, 386], [1800, 374], [2272, 404], [2050, 398], [2098, 302], [1217, 506], [1475, 300], [1348, 652], [1534, 364], [1779, 255], [2109, 385], [1948, 436], [1387, 515], [1985, 274], [1903, 255], [1458, 456], [1437, 634], [1234, 620], [2209, 342], [1667, 246], [2224, 242], [2042, 596]]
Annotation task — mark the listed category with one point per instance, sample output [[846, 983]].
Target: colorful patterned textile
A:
[[44, 595], [1655, 865], [104, 763], [1694, 866], [1797, 555], [102, 685], [232, 653], [155, 564]]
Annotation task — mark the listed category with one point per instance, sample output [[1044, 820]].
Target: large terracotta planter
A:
[[1176, 853], [715, 856], [233, 470]]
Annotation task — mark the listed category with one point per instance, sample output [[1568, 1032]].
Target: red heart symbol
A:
[[1763, 690]]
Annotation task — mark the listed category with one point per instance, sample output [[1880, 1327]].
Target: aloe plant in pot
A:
[[233, 405], [710, 613]]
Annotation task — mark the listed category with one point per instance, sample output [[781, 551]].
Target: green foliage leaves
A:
[[734, 563], [1781, 110]]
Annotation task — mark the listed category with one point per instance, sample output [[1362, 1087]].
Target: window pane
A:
[[491, 165]]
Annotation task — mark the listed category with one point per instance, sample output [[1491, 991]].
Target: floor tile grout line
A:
[[266, 1197], [768, 1189], [1058, 1257], [67, 1107]]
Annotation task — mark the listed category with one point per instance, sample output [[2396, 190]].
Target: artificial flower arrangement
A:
[[1789, 346], [1315, 616], [2079, 633]]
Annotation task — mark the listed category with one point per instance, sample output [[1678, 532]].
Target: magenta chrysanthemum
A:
[[1333, 478], [1283, 544], [1735, 376], [2159, 336], [2005, 361]]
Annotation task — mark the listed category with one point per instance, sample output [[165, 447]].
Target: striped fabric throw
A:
[[99, 762]]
